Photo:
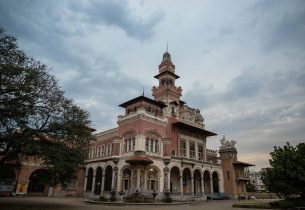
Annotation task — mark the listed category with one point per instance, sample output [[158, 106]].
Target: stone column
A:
[[192, 185], [85, 183], [181, 184], [166, 179], [196, 151], [211, 185], [169, 180], [187, 148], [115, 180], [138, 178], [93, 184], [202, 185], [145, 180], [103, 183], [161, 147]]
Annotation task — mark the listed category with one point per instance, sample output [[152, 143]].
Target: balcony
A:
[[242, 175]]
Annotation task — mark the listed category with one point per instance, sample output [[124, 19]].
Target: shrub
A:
[[167, 199], [102, 198]]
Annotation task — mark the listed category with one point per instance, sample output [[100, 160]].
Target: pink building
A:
[[159, 145]]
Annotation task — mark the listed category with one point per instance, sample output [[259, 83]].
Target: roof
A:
[[193, 128], [143, 98], [139, 160], [169, 72], [239, 163]]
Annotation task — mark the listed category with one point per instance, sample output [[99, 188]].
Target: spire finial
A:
[[143, 91], [167, 47]]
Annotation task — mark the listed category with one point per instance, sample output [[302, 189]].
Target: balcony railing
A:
[[243, 175]]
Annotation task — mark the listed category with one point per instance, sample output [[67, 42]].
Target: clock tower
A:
[[167, 90]]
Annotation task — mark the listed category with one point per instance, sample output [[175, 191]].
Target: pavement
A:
[[72, 203]]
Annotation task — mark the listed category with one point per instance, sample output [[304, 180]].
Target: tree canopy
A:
[[287, 173], [36, 119]]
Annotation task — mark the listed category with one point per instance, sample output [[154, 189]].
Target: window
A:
[[89, 154], [133, 143], [157, 146], [117, 149], [103, 151], [125, 145], [192, 150], [151, 145], [99, 152], [147, 144], [200, 152], [228, 175], [182, 148], [129, 145], [173, 153], [93, 155], [109, 149]]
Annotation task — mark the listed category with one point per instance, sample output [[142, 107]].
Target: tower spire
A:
[[167, 47]]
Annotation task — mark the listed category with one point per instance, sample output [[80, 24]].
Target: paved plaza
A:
[[47, 203]]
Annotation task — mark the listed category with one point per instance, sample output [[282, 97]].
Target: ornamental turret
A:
[[167, 90]]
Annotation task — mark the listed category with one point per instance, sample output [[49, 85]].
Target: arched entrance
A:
[[197, 182], [187, 180], [89, 179], [175, 180], [215, 182], [98, 181], [38, 182], [126, 179], [108, 179], [152, 180], [206, 180]]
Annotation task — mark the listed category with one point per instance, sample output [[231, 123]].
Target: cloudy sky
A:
[[241, 62]]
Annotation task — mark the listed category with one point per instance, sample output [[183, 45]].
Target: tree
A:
[[36, 119], [287, 173]]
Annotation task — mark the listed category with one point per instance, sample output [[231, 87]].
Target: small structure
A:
[[256, 180], [236, 173]]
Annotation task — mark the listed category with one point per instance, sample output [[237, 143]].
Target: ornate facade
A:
[[159, 145]]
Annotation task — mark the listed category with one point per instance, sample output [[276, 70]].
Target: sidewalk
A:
[[71, 203]]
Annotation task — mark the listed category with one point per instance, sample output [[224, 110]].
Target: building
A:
[[159, 145], [256, 180], [236, 173]]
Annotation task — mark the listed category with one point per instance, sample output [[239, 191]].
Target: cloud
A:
[[281, 29], [259, 108], [119, 14]]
